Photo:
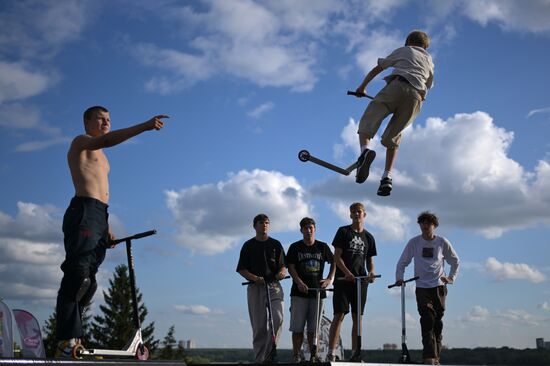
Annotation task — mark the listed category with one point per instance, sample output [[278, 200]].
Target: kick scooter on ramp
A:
[[356, 357], [405, 355], [314, 357], [134, 347], [305, 155]]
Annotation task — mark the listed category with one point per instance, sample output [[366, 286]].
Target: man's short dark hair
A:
[[306, 221], [428, 216], [260, 217], [88, 113]]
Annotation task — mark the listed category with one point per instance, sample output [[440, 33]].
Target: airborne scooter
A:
[[134, 347], [356, 357], [272, 357], [405, 355], [305, 156]]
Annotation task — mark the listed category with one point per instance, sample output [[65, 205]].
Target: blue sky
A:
[[248, 84]]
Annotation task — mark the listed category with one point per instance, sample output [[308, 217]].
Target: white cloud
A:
[[199, 210], [513, 271], [41, 145], [18, 82], [274, 43], [477, 314], [196, 309], [378, 44], [260, 110], [458, 168], [31, 251], [545, 306], [538, 111], [39, 29], [515, 317], [528, 16]]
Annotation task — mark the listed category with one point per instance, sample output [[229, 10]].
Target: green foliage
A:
[[115, 327]]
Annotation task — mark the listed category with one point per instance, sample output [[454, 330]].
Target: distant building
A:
[[187, 344], [541, 344], [389, 346]]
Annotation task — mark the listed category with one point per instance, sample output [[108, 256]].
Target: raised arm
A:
[[112, 138]]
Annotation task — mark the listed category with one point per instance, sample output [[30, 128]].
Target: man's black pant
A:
[[86, 236]]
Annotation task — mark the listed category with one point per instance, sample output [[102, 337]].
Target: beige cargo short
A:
[[397, 98]]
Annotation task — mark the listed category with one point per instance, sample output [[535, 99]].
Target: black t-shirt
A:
[[262, 258], [309, 262], [356, 248]]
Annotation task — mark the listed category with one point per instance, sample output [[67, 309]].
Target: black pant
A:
[[85, 229], [431, 307]]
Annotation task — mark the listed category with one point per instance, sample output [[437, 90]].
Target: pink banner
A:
[[6, 331], [31, 338]]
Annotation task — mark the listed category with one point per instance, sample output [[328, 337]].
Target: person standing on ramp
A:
[[85, 223], [262, 262], [354, 247], [429, 251], [306, 262]]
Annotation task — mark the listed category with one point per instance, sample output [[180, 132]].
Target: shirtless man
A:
[[85, 223]]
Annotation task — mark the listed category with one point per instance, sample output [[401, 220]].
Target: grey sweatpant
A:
[[261, 331]]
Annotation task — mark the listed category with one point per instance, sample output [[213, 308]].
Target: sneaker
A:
[[363, 165], [331, 358], [65, 348], [314, 358], [297, 358], [385, 187]]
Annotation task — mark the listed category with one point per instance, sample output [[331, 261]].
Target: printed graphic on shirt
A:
[[427, 252], [357, 245]]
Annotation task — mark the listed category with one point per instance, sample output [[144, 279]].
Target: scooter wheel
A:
[[76, 351], [142, 352], [304, 155]]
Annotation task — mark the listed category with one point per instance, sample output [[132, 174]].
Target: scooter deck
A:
[[304, 156]]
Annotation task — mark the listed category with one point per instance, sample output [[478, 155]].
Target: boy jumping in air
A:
[[406, 89]]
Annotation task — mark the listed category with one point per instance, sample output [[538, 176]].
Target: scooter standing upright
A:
[[356, 357], [314, 357], [272, 356], [134, 347], [405, 355]]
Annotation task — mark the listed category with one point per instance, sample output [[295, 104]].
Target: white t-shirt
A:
[[429, 257], [414, 64]]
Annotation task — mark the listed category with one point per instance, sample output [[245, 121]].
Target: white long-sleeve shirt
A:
[[429, 257]]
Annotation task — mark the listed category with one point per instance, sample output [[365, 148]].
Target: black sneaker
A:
[[385, 187], [363, 165]]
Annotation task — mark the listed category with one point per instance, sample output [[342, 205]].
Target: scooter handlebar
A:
[[409, 280], [359, 277], [359, 95], [320, 289], [135, 236], [252, 282]]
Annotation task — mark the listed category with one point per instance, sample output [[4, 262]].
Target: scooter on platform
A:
[[356, 357], [405, 355], [135, 346]]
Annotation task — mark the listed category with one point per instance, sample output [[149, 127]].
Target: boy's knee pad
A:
[[84, 286]]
